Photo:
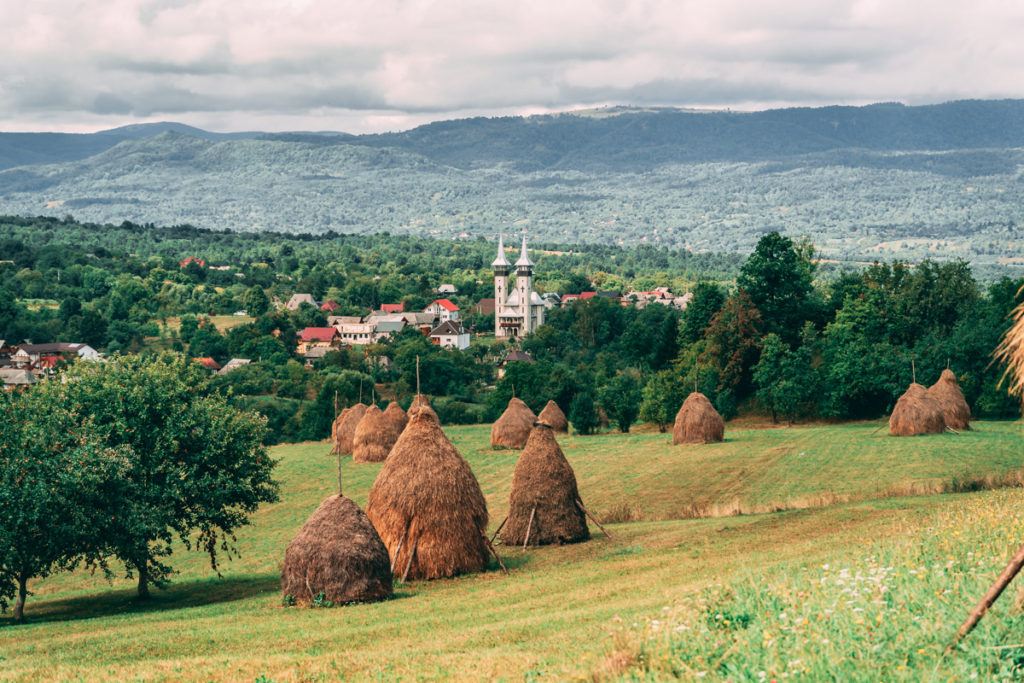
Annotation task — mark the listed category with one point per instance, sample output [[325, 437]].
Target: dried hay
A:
[[544, 494], [427, 488], [512, 429], [697, 421], [375, 435], [395, 413], [344, 427], [916, 412], [420, 403], [338, 553], [955, 411], [1011, 352], [553, 417]]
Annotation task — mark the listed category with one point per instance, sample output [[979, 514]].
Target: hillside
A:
[[571, 610], [883, 181]]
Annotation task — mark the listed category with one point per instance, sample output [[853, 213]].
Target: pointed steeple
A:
[[524, 258], [501, 260]]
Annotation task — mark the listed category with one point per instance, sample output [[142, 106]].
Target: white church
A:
[[518, 310]]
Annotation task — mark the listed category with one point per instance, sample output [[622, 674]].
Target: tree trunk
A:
[[142, 568], [19, 606]]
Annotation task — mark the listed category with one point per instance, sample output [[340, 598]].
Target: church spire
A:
[[524, 258], [501, 260]]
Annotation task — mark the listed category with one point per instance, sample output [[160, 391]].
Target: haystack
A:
[[344, 427], [420, 403], [955, 410], [395, 413], [428, 507], [553, 417], [337, 552], [375, 434], [512, 429], [916, 412], [542, 502], [697, 421]]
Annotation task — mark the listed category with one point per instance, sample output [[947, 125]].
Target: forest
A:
[[777, 332]]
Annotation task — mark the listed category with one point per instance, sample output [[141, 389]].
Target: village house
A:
[[352, 334], [299, 299], [16, 378], [233, 364], [450, 335], [317, 337], [208, 363], [446, 289], [393, 308], [45, 358], [514, 356], [442, 310]]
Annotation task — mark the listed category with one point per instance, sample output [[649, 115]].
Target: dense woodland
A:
[[772, 332]]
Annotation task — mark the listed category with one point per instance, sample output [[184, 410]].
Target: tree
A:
[[661, 398], [733, 341], [784, 378], [620, 399], [708, 300], [256, 301], [55, 485], [196, 466], [582, 413], [778, 277]]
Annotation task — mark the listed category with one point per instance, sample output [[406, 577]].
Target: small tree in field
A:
[[660, 399], [582, 413], [55, 479], [620, 399], [197, 468]]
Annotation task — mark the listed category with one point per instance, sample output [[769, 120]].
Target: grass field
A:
[[223, 323], [564, 612]]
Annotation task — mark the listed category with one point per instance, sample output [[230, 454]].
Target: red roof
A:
[[570, 297], [192, 259], [445, 304], [330, 306], [208, 363], [393, 308], [587, 295], [321, 334]]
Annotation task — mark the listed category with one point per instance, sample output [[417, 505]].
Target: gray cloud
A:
[[360, 66]]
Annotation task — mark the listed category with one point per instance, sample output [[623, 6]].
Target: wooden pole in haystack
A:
[[528, 525], [499, 528], [913, 371], [491, 546], [417, 375], [592, 518], [990, 597], [400, 542], [408, 565]]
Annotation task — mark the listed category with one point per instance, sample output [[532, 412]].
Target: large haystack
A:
[[512, 429], [543, 497], [395, 414], [553, 417], [955, 410], [337, 552], [375, 435], [697, 421], [420, 403], [427, 500], [916, 412], [345, 427]]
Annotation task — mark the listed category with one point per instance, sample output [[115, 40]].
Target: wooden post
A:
[[408, 564], [592, 518], [499, 528], [417, 375], [339, 474], [491, 546], [360, 389], [990, 597], [529, 524], [400, 542], [913, 371]]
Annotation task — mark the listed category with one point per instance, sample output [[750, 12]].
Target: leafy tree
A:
[[661, 398], [708, 299], [784, 378], [732, 343], [583, 414], [256, 301], [778, 277], [196, 466], [55, 484], [620, 399]]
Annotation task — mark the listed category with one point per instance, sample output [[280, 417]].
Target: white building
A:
[[443, 310], [518, 310], [450, 335]]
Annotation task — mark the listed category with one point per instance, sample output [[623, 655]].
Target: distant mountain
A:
[[880, 181]]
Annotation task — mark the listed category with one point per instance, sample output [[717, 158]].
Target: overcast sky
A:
[[377, 65]]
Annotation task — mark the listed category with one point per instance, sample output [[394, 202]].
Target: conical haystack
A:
[[334, 427], [955, 410], [375, 435], [338, 553], [916, 412], [542, 502], [396, 415], [427, 500], [512, 429], [344, 427], [697, 421], [553, 417], [420, 403]]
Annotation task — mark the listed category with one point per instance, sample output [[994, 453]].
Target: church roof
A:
[[524, 258], [501, 260]]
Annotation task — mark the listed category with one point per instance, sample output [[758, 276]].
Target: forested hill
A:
[[864, 183]]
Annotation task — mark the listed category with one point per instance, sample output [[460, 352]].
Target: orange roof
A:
[[445, 304], [208, 363], [393, 308], [321, 334]]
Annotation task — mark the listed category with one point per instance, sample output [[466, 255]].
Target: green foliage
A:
[[661, 398], [778, 278], [196, 468], [620, 399], [785, 379], [583, 414]]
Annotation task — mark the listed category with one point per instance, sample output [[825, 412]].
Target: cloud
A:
[[303, 63]]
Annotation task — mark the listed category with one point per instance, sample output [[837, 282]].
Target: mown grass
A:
[[223, 323], [556, 613]]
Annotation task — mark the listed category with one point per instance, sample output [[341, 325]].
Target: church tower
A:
[[501, 268], [524, 288]]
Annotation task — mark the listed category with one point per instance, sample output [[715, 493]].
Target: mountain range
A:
[[878, 181]]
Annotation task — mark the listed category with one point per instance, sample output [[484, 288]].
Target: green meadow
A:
[[740, 528]]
